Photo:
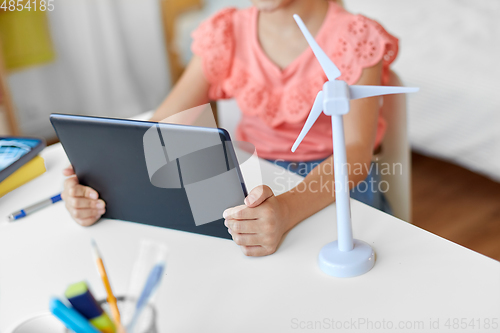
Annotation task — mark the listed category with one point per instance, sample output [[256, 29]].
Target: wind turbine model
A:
[[345, 257]]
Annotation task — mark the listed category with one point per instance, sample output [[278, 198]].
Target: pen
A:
[[150, 286], [33, 208], [111, 298], [70, 317]]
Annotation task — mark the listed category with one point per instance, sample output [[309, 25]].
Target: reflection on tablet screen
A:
[[13, 149]]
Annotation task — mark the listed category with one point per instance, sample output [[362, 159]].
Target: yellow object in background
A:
[[24, 174], [25, 38]]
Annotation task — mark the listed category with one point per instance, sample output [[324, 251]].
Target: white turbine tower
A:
[[345, 257]]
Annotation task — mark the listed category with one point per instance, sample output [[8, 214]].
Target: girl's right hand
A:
[[82, 202]]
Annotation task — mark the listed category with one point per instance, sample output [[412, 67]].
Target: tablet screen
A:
[[12, 149]]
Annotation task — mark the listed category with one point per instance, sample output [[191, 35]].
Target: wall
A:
[[110, 61]]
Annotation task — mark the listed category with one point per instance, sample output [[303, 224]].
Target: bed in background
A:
[[450, 49]]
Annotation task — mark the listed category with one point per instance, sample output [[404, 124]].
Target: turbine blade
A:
[[369, 91], [311, 119], [331, 71]]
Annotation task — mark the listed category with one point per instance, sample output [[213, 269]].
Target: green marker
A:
[[80, 297]]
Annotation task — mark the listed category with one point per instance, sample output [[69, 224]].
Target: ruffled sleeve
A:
[[213, 42], [363, 43]]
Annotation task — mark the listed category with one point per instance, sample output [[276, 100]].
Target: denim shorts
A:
[[368, 191]]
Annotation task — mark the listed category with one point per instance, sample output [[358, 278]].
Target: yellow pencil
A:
[[111, 298]]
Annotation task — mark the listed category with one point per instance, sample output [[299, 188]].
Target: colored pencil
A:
[[104, 276]]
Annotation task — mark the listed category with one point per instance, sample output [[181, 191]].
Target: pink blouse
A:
[[275, 103]]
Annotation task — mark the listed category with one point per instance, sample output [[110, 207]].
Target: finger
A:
[[239, 213], [69, 171], [246, 239], [88, 221], [83, 191], [258, 195], [77, 202], [254, 251], [243, 226], [69, 183], [84, 213]]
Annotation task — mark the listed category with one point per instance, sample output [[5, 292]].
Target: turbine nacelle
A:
[[336, 98]]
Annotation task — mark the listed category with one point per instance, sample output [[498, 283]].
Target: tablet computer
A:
[[173, 176]]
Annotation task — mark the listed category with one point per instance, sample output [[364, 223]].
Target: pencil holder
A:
[[146, 322]]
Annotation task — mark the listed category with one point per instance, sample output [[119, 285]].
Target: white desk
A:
[[211, 286]]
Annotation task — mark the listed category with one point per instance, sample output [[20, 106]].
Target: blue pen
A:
[[70, 317], [152, 283], [33, 208]]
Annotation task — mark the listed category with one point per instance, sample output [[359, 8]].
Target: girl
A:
[[259, 56]]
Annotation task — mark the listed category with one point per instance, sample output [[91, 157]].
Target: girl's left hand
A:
[[259, 225]]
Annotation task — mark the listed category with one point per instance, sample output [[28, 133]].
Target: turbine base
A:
[[356, 262]]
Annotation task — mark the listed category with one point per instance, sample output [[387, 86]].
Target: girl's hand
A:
[[259, 225], [81, 201]]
